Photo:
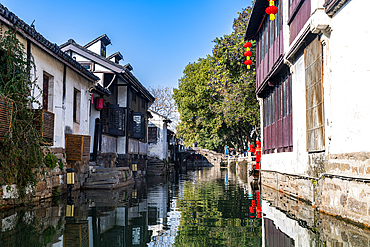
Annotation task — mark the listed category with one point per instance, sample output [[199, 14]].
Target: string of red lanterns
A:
[[272, 10], [248, 54]]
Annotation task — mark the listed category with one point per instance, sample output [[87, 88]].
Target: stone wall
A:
[[322, 228], [345, 197], [54, 179], [297, 186]]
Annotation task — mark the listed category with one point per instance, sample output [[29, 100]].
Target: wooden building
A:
[[311, 84], [119, 113]]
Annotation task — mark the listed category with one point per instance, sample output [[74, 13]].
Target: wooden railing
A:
[[6, 113], [45, 123], [78, 147]]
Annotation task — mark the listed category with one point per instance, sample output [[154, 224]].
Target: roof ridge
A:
[[15, 21]]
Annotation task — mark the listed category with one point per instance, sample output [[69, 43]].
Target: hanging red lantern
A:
[[99, 104], [248, 63], [272, 10], [248, 44], [248, 54]]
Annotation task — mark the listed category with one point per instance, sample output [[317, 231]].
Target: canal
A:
[[202, 207]]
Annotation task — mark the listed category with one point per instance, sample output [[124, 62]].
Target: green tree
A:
[[198, 122], [234, 84], [21, 155], [216, 95]]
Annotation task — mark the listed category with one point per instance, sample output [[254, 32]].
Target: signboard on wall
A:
[[138, 128]]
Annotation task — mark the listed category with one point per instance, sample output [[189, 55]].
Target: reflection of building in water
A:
[[275, 237], [165, 232], [285, 230], [76, 233]]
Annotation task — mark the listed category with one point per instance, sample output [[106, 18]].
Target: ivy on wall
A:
[[22, 158]]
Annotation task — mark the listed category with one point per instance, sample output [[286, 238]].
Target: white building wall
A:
[[47, 64], [348, 74], [158, 149], [95, 47], [346, 84], [76, 82]]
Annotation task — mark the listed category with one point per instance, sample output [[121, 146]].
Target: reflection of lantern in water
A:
[[70, 208], [134, 194], [259, 211], [70, 179], [134, 167]]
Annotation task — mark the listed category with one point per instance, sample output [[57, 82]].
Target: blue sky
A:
[[158, 38]]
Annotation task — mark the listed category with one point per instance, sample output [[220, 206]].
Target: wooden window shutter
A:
[[315, 132], [45, 93], [116, 120], [105, 119], [138, 125], [152, 134]]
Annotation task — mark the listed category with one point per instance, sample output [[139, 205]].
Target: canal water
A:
[[202, 207]]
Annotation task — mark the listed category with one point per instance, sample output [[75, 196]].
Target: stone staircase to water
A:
[[107, 178]]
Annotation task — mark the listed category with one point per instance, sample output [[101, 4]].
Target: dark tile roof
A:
[[256, 18], [117, 54], [104, 38], [15, 21], [127, 68], [71, 41], [333, 6]]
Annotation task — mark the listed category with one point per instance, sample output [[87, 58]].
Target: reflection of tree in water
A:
[[23, 229], [212, 215]]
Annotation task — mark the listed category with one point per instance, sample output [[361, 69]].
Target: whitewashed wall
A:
[[158, 149], [348, 72], [346, 84]]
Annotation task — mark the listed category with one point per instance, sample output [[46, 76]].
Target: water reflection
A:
[[205, 207]]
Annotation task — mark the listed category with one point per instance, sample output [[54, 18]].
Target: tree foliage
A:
[[221, 106], [215, 214], [198, 122], [164, 104], [21, 155]]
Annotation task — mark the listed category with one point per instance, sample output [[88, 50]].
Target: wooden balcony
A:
[[78, 147], [6, 113], [45, 123]]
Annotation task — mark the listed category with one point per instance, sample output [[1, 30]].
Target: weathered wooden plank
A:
[[315, 137], [6, 114], [78, 147]]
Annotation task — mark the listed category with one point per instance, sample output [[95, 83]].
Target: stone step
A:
[[108, 181], [113, 169], [102, 176], [109, 186], [156, 165]]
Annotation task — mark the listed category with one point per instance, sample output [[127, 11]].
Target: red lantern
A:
[[248, 54], [248, 62], [272, 10], [99, 104], [268, 10], [248, 44]]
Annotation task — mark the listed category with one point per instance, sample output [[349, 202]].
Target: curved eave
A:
[[256, 18]]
